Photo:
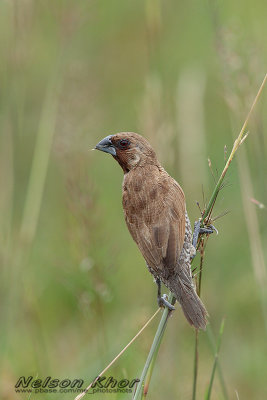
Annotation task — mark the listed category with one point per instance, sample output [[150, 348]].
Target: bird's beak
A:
[[106, 145]]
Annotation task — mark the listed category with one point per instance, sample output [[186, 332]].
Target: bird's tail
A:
[[193, 308]]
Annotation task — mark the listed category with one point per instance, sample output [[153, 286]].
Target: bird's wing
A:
[[155, 216]]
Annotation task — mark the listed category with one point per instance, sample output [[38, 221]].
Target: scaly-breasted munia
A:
[[155, 213]]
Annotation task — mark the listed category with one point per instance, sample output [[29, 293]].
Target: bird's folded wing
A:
[[159, 228]]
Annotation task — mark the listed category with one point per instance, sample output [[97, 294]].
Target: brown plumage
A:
[[155, 213]]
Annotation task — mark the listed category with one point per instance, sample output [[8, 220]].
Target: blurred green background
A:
[[74, 287]]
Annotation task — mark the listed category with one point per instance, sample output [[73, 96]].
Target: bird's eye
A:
[[124, 143]]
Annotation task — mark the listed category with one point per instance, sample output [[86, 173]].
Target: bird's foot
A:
[[163, 302], [208, 230], [198, 230]]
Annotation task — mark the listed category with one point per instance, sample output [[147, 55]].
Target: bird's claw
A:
[[163, 302], [208, 230], [198, 230]]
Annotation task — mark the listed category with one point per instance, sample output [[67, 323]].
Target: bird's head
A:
[[129, 149]]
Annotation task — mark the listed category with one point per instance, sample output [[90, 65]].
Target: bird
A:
[[155, 214]]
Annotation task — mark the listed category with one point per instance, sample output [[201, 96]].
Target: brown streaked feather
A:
[[155, 215]]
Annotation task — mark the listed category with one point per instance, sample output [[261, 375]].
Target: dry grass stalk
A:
[[81, 395]]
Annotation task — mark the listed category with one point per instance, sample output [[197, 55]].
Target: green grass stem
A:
[[239, 140], [219, 368], [153, 351], [208, 394]]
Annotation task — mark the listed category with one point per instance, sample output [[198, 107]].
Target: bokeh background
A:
[[74, 287]]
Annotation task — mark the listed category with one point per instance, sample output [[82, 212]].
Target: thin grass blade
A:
[[208, 394]]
